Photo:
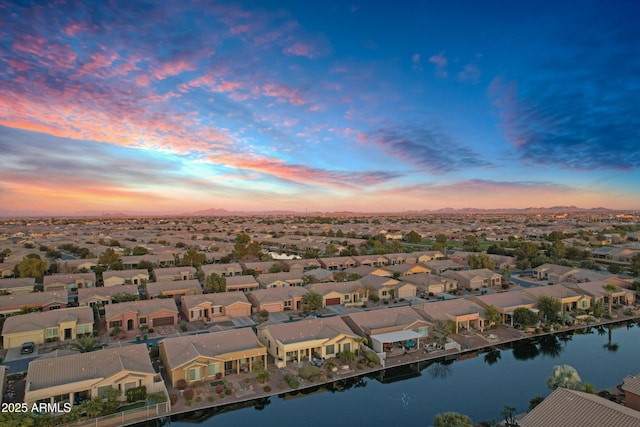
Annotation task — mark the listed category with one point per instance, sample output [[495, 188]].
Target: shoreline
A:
[[406, 360]]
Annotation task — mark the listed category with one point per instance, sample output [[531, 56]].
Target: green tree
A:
[[550, 307], [442, 329], [413, 237], [215, 284], [193, 258], [275, 268], [146, 264], [262, 374], [558, 250], [32, 266], [312, 300], [452, 419], [524, 317], [480, 261], [109, 258], [86, 344], [17, 419], [93, 407], [535, 401], [470, 243], [493, 315], [526, 250], [442, 239], [610, 289], [140, 250], [564, 376], [635, 265], [508, 413], [331, 250]]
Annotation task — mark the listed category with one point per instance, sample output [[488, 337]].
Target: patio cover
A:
[[395, 336]]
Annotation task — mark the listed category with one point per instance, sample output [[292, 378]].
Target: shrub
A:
[[372, 364], [292, 381], [310, 372], [267, 389], [182, 384], [385, 302], [374, 298], [361, 366], [219, 375], [371, 356], [221, 395], [188, 394], [227, 392], [210, 399], [219, 389], [188, 403], [174, 399], [154, 352], [183, 326], [136, 394], [198, 399]]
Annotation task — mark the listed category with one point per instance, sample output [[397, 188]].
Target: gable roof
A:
[[222, 298], [125, 274], [340, 287], [85, 294], [33, 298], [46, 319], [308, 329], [142, 307], [277, 294], [96, 365], [570, 408], [383, 318], [631, 384], [156, 288]]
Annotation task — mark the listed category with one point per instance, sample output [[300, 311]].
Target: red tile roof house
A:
[[125, 277], [69, 282], [215, 307], [175, 273], [387, 327], [104, 296], [42, 301], [346, 293], [17, 285], [85, 376], [241, 284], [276, 300], [173, 288], [204, 357], [130, 315]]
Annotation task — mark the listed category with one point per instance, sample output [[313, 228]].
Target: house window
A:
[[192, 374], [128, 386], [347, 298], [346, 347], [584, 304], [329, 350], [54, 307], [384, 293], [84, 329], [216, 309], [423, 331], [287, 303], [143, 321], [214, 368], [51, 332], [115, 323], [102, 391]]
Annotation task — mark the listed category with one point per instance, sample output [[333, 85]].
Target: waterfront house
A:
[[598, 295], [475, 279], [173, 288], [83, 376], [336, 293], [631, 388], [465, 313], [566, 407], [215, 307], [241, 283], [276, 300], [53, 325], [41, 301], [129, 316], [570, 299], [205, 357], [22, 285], [104, 296], [506, 303], [175, 273], [125, 277], [554, 273], [68, 282], [305, 339]]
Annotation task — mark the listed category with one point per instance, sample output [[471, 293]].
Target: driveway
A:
[[14, 354]]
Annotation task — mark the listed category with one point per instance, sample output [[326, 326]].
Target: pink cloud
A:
[[439, 60], [470, 73], [282, 93], [301, 49]]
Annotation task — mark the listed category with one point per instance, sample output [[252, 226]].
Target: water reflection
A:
[[550, 346], [441, 369], [525, 350], [492, 356]]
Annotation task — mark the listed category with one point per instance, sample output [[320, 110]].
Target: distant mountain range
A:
[[224, 212]]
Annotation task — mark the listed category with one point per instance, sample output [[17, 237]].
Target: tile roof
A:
[[632, 384], [47, 319], [506, 299], [340, 287], [221, 298], [386, 317], [33, 298], [156, 288], [18, 282], [88, 293], [278, 294], [125, 274], [96, 365], [308, 329], [570, 408], [143, 308]]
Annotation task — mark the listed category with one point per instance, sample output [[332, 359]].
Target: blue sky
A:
[[165, 107]]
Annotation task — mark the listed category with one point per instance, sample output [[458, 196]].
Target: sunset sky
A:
[[372, 106]]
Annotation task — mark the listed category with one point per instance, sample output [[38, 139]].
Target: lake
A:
[[479, 387]]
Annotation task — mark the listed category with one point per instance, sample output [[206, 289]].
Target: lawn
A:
[[136, 405]]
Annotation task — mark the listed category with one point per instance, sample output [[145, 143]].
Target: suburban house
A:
[[570, 299], [241, 284], [336, 293], [17, 285], [175, 273], [465, 313], [599, 295], [125, 277], [224, 270], [430, 283], [205, 357], [318, 275], [68, 282], [554, 273], [307, 339], [80, 377], [427, 256], [53, 325], [173, 288], [301, 265], [566, 407], [129, 316], [276, 300], [401, 258], [440, 266], [475, 279], [390, 328], [406, 269], [336, 263], [78, 265], [371, 260], [259, 267], [215, 307], [383, 287], [104, 296], [631, 388], [276, 280], [506, 303], [42, 301]]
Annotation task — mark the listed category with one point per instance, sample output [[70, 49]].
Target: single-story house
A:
[[104, 296], [129, 316], [336, 263], [554, 273], [306, 339], [464, 313], [431, 283], [126, 277], [42, 301], [371, 260], [53, 325], [78, 265], [406, 269], [173, 288], [598, 294], [17, 285], [336, 293], [276, 300], [276, 280], [215, 307], [440, 266], [68, 282], [259, 267], [224, 270], [83, 376], [208, 356], [475, 279], [301, 265], [175, 273], [401, 258], [241, 283], [570, 299], [631, 388], [506, 303], [427, 256]]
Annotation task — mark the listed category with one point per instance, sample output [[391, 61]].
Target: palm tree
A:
[[610, 289], [86, 344]]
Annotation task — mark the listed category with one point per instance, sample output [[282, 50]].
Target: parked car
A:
[[27, 348]]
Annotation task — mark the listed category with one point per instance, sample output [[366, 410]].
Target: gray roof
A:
[[33, 298], [47, 319], [96, 365], [570, 408]]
